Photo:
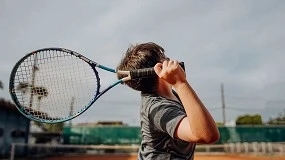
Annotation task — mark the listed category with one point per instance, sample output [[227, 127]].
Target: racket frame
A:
[[98, 94]]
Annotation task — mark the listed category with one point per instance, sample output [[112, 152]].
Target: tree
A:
[[22, 87], [279, 120], [57, 127], [249, 120], [40, 92], [35, 91]]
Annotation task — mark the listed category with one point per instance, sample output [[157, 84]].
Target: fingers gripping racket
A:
[[54, 85]]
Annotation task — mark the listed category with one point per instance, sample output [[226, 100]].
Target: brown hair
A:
[[139, 56]]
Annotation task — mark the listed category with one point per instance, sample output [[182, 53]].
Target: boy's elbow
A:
[[206, 138], [211, 138], [214, 138]]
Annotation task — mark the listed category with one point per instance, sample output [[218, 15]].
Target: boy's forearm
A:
[[201, 123]]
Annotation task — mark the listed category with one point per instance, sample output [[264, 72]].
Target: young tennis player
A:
[[173, 118]]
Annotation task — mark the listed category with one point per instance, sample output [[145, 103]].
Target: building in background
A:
[[14, 127]]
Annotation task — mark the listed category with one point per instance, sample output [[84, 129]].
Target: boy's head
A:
[[139, 56]]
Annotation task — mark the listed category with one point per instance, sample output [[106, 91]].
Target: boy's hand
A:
[[171, 72]]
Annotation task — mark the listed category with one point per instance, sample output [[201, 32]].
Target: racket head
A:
[[53, 85]]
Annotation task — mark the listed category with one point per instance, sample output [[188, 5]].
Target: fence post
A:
[[263, 147], [207, 148], [281, 148], [12, 152], [270, 149], [255, 147], [232, 147], [245, 147], [238, 147]]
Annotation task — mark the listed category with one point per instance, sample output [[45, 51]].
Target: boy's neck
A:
[[165, 90]]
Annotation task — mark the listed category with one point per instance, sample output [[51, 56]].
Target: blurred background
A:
[[233, 53]]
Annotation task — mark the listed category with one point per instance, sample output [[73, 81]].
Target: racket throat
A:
[[107, 89]]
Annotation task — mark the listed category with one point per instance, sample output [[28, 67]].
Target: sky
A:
[[237, 43]]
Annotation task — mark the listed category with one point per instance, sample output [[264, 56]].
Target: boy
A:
[[172, 122]]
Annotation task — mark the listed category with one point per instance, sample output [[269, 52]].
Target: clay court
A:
[[197, 157]]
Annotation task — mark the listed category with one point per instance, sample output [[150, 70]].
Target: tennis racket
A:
[[53, 85]]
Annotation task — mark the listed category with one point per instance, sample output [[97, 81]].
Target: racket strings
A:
[[54, 85]]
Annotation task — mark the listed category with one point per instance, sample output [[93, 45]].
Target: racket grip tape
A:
[[147, 72]]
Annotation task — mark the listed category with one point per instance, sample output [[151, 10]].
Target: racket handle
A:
[[147, 72], [141, 73]]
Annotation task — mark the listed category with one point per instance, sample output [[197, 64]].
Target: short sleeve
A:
[[165, 117]]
